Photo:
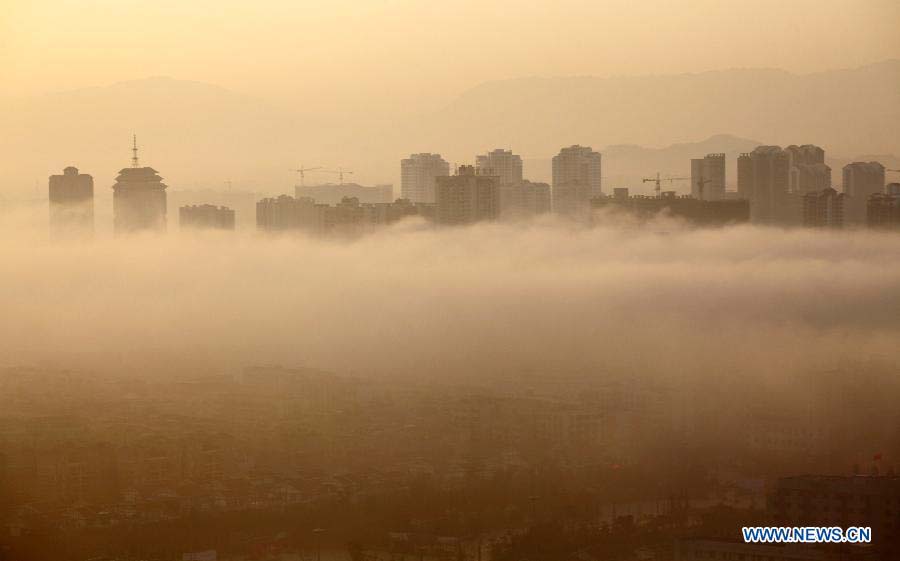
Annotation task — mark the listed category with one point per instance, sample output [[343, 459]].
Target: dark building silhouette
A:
[[524, 199], [139, 199], [349, 217], [708, 177], [701, 213], [71, 204], [883, 211], [807, 169], [859, 500], [892, 189], [861, 181], [763, 177], [288, 213], [209, 217], [576, 179], [466, 197], [823, 209]]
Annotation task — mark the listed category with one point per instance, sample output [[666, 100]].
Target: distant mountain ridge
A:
[[849, 111], [202, 135]]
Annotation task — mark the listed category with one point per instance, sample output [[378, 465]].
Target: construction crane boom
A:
[[302, 170], [340, 172], [658, 180]]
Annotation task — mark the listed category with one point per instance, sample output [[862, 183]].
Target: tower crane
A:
[[657, 180], [340, 172], [302, 170]]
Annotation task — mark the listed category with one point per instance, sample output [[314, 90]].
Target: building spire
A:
[[134, 151]]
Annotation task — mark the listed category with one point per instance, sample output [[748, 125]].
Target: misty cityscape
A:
[[402, 281]]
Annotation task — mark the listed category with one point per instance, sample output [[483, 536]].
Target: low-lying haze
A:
[[469, 302]]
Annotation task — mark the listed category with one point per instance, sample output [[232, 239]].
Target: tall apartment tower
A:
[[139, 199], [71, 204], [808, 172], [576, 179], [501, 163], [861, 181], [823, 209], [467, 197], [883, 211], [763, 177], [417, 176], [708, 177]]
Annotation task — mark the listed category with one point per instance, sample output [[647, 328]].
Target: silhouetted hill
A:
[[848, 111], [200, 135]]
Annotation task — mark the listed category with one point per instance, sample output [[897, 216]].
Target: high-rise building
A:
[[466, 197], [823, 209], [501, 163], [210, 217], [576, 179], [71, 204], [808, 178], [763, 177], [347, 218], [807, 169], [519, 198], [883, 211], [417, 176], [861, 181], [139, 199], [287, 213], [708, 177], [692, 210], [524, 199]]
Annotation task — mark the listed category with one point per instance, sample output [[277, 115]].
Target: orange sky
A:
[[368, 51]]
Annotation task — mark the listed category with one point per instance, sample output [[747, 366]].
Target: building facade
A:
[[466, 198], [823, 209], [808, 171], [576, 179], [708, 177], [71, 204], [349, 217], [501, 163], [524, 200], [417, 176], [210, 217], [763, 178], [861, 180], [694, 211], [139, 199], [883, 211]]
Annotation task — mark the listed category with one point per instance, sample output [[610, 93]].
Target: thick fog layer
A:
[[474, 302]]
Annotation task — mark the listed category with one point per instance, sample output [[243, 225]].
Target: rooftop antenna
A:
[[134, 157]]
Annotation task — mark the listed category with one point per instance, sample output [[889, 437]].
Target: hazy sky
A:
[[406, 49]]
